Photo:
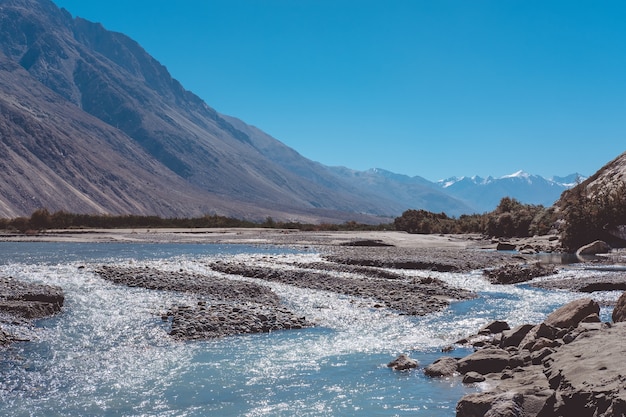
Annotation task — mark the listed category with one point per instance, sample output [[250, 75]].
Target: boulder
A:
[[505, 246], [402, 363], [472, 377], [571, 314], [487, 361], [619, 312], [485, 404], [540, 331], [496, 326], [514, 273], [594, 248], [514, 336], [445, 366]]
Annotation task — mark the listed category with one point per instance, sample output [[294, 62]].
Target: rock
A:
[[571, 314], [594, 248], [541, 343], [487, 361], [487, 404], [590, 374], [540, 331], [444, 366], [514, 336], [514, 273], [539, 356], [472, 377], [496, 326], [403, 363], [505, 246], [591, 318], [619, 312]]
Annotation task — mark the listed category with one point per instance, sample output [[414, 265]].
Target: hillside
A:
[[92, 123], [596, 208]]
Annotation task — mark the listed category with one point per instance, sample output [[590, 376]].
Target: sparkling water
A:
[[108, 353]]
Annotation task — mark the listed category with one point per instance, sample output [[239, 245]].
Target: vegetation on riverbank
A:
[[42, 219], [510, 219]]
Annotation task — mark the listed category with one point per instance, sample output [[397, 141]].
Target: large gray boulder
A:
[[571, 314], [445, 366], [487, 361], [594, 248], [619, 312], [514, 336]]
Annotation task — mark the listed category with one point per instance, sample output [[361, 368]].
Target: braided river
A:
[[108, 353]]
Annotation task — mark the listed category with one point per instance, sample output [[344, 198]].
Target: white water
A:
[[109, 354]]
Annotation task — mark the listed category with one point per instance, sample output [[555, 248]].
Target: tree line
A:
[[42, 219], [579, 218]]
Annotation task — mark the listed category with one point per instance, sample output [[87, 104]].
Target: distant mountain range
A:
[[91, 123], [456, 196], [484, 194]]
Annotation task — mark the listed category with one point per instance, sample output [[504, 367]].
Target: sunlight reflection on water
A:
[[108, 353]]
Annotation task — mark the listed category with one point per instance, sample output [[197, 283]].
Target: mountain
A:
[[407, 192], [457, 196], [91, 123], [595, 209], [484, 194], [609, 176]]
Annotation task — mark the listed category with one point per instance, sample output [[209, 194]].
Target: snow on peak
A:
[[518, 174]]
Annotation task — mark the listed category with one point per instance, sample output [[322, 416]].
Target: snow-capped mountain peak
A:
[[485, 193], [518, 174]]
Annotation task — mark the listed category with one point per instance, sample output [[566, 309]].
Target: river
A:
[[108, 353]]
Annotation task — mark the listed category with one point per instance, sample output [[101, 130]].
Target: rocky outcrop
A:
[[488, 361], [564, 366]]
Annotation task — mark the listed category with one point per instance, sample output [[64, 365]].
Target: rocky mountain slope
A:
[[92, 123], [596, 208], [609, 176], [408, 192]]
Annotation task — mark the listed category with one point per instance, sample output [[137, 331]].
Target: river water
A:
[[108, 353]]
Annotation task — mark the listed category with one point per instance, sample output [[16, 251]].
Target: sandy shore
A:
[[269, 237], [246, 236]]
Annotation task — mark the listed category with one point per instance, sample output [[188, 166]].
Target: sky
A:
[[430, 88]]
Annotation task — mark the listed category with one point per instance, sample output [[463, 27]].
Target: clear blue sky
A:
[[434, 88]]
